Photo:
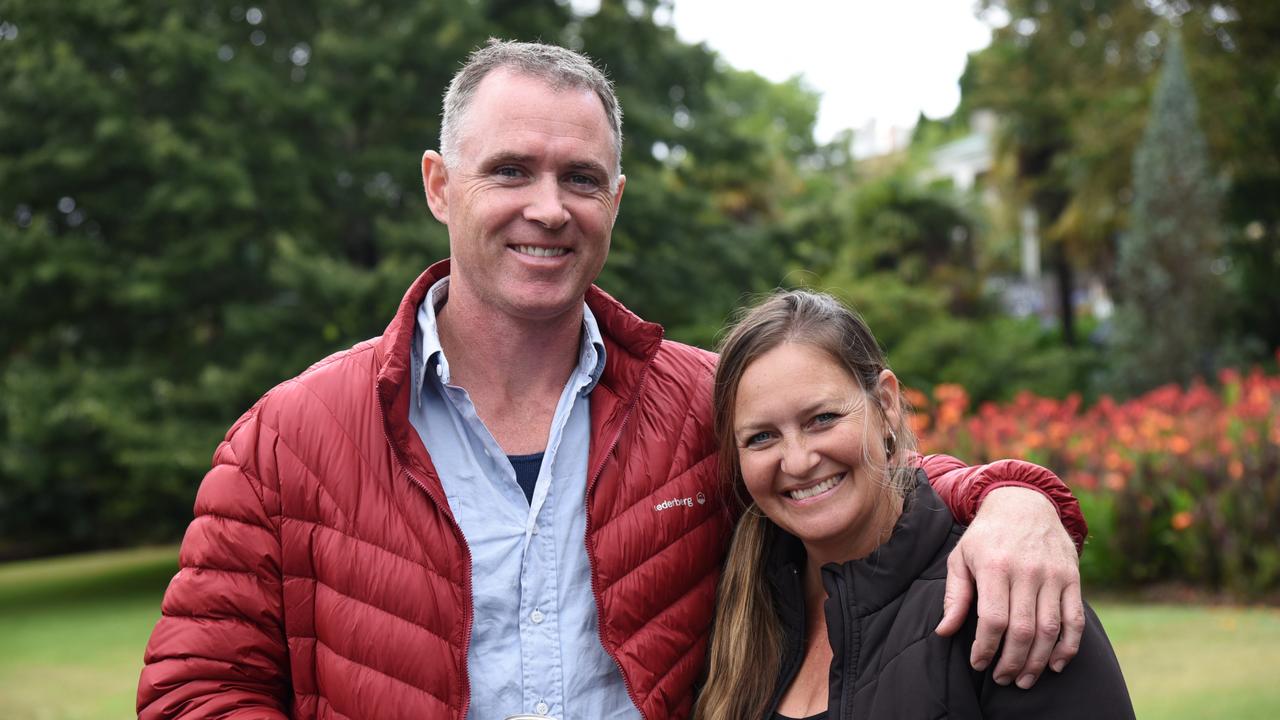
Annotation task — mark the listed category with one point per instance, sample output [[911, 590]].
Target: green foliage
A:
[[1071, 82], [1165, 320], [198, 200], [1178, 485], [993, 357], [908, 261]]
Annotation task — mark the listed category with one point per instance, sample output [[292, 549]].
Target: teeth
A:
[[540, 251], [821, 487]]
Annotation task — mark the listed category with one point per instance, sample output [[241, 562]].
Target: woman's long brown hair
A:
[[746, 641]]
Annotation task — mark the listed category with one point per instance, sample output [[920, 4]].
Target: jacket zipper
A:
[[586, 540], [468, 611], [851, 649]]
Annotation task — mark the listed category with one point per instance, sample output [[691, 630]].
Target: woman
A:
[[835, 576]]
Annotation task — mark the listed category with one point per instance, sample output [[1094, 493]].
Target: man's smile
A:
[[536, 251]]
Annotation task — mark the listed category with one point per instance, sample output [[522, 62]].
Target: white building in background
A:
[[966, 162], [873, 140]]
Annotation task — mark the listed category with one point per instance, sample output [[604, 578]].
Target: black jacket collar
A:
[[883, 575]]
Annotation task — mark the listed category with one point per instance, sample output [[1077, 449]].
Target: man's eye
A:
[[583, 180], [508, 171]]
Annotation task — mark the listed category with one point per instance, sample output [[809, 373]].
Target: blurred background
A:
[[1062, 219]]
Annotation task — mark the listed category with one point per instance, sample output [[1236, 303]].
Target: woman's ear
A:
[[889, 395]]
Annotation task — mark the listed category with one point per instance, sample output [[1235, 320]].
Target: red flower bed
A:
[[1180, 484]]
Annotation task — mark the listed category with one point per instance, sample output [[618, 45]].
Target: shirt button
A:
[[536, 616], [535, 530], [542, 708]]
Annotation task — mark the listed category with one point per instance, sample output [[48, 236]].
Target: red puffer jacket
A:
[[325, 577]]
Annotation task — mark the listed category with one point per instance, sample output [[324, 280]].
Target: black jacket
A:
[[888, 662]]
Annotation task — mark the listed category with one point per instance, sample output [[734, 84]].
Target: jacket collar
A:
[[879, 578], [630, 343]]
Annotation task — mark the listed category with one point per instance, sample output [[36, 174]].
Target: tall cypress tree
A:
[[1163, 329]]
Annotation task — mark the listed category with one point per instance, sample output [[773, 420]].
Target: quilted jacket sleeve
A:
[[963, 488], [219, 649]]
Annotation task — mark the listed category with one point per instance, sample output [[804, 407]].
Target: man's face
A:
[[528, 200]]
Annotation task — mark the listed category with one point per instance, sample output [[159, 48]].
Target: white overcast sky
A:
[[882, 59]]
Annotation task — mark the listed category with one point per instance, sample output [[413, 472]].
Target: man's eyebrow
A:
[[505, 158], [589, 166]]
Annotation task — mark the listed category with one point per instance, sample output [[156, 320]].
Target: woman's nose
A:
[[798, 458]]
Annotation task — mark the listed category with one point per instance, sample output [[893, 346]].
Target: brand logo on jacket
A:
[[680, 502], [677, 502]]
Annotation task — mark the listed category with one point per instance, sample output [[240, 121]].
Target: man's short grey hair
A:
[[559, 67]]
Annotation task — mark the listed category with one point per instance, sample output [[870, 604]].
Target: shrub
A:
[[1179, 484]]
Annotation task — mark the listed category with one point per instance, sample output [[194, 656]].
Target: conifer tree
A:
[[1169, 292]]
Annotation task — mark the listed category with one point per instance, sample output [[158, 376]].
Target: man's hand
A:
[[1028, 579]]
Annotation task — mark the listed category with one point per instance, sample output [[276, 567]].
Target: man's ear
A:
[[617, 195], [435, 176], [889, 395]]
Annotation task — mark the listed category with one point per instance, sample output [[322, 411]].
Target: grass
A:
[[1189, 661], [73, 632], [74, 629]]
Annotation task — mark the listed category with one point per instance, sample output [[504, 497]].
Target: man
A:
[[399, 531]]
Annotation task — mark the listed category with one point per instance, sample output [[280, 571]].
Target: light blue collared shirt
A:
[[535, 646]]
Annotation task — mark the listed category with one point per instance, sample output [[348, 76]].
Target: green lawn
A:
[[1188, 661], [73, 630]]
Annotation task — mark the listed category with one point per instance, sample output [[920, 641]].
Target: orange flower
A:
[[1113, 461], [949, 414], [919, 423], [1115, 481], [1126, 434], [1179, 445], [1181, 520], [951, 393], [1235, 469], [1084, 480], [915, 398]]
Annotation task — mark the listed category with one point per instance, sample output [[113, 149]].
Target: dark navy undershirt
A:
[[527, 467]]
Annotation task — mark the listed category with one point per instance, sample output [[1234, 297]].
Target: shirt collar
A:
[[591, 355]]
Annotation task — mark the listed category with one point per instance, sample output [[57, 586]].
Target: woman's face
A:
[[811, 450]]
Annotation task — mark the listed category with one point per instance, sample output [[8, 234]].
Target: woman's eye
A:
[[756, 439], [825, 418]]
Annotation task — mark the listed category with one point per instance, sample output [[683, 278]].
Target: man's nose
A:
[[798, 459], [546, 204]]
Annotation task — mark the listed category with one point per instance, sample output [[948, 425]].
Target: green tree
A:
[[1066, 81], [197, 200], [1071, 82], [910, 264], [1164, 324]]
